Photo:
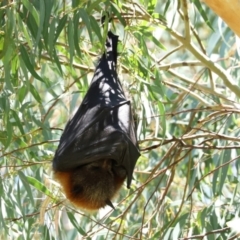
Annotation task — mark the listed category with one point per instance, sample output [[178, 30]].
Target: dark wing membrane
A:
[[103, 126]]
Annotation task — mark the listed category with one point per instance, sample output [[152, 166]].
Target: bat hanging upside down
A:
[[98, 148]]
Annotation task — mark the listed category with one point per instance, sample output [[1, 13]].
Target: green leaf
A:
[[56, 60], [3, 137], [18, 121], [7, 71], [151, 6], [9, 129], [76, 19], [202, 12], [35, 93], [157, 42], [48, 8], [30, 7], [24, 30], [76, 224], [8, 44], [26, 60], [61, 24], [39, 186], [41, 22], [85, 18], [225, 157], [117, 12], [95, 27], [163, 121], [70, 40], [51, 37], [93, 5], [22, 92], [217, 162], [26, 186]]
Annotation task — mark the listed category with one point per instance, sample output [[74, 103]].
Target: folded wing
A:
[[103, 126]]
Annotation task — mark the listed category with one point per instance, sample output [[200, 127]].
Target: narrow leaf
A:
[[39, 186], [24, 56], [26, 186]]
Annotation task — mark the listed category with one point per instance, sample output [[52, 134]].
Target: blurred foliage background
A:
[[178, 63]]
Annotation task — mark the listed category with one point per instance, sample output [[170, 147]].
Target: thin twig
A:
[[29, 146], [206, 234], [223, 74], [211, 172], [184, 6]]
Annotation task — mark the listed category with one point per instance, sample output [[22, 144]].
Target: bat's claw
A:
[[109, 203]]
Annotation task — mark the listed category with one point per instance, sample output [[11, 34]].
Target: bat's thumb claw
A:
[[109, 203]]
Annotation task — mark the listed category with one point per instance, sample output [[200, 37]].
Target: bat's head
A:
[[92, 186]]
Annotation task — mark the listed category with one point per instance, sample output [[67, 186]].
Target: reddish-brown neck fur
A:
[[93, 185]]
